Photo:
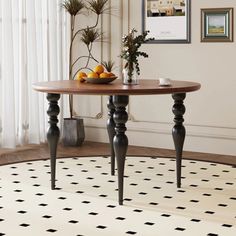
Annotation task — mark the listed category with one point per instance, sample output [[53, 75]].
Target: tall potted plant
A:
[[73, 128]]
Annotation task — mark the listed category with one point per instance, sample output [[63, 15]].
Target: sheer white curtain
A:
[[33, 47]]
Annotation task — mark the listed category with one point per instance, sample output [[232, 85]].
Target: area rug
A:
[[85, 202]]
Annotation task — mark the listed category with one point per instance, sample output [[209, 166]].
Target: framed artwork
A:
[[217, 25], [167, 20]]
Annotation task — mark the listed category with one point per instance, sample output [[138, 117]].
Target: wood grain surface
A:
[[145, 87]]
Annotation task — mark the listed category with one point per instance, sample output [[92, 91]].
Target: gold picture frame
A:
[[217, 24]]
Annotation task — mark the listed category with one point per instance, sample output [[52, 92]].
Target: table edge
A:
[[154, 91]]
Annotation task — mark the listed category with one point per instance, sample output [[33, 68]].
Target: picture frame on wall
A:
[[217, 25], [168, 21]]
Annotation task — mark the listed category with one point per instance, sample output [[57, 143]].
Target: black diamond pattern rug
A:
[[85, 202]]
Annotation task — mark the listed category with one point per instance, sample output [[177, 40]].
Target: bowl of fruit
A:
[[98, 76]]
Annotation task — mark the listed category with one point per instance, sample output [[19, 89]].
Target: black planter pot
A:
[[73, 132]]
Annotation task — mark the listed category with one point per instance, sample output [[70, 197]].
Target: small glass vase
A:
[[130, 78]]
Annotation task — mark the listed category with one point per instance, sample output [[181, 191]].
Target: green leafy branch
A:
[[130, 52]]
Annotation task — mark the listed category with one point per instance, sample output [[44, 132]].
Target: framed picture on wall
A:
[[167, 20], [217, 25]]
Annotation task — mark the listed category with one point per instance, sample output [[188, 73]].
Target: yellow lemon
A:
[[93, 75], [104, 75], [99, 69]]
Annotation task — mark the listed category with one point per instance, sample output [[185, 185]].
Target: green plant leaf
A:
[[89, 35], [130, 52], [73, 7], [98, 6], [108, 65]]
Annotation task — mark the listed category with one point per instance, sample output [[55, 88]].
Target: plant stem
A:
[[81, 68], [90, 56], [76, 33], [130, 68], [78, 59], [70, 64], [71, 45]]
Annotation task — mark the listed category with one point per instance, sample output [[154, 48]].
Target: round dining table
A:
[[118, 99]]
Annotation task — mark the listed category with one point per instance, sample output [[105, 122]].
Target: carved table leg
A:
[[53, 132], [111, 131], [178, 131], [120, 140]]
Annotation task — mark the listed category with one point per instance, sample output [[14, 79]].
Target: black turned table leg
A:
[[111, 131], [178, 131], [120, 140], [53, 132]]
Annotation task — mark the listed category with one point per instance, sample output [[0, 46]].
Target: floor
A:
[[85, 202], [39, 152]]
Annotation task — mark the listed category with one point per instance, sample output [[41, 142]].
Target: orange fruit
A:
[[93, 75], [99, 69], [104, 75], [111, 74], [80, 76]]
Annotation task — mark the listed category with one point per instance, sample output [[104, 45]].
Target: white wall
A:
[[210, 117]]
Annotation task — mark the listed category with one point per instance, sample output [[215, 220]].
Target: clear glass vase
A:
[[130, 77]]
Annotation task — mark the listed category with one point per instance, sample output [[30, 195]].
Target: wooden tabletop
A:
[[145, 87]]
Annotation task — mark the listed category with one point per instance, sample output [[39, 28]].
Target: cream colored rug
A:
[[85, 203]]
